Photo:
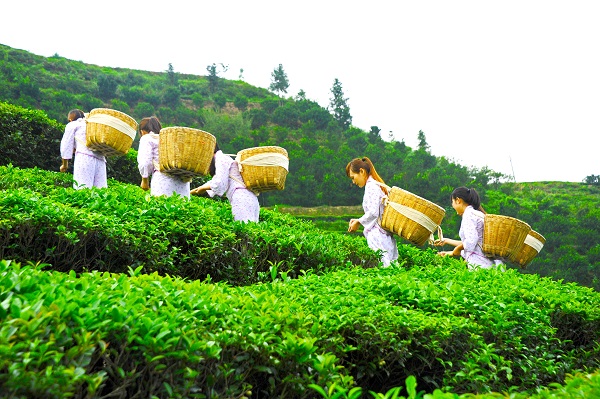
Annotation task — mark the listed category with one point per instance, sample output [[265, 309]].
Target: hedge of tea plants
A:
[[100, 334], [138, 296], [42, 219]]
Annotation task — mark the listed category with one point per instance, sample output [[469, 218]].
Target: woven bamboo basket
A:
[[410, 216], [503, 236], [265, 175], [534, 242], [109, 132], [185, 152]]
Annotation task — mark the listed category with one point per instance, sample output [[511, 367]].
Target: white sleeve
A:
[[144, 157], [220, 181], [371, 204], [67, 143]]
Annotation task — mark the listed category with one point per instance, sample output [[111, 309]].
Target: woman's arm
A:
[[447, 241], [371, 204], [201, 189], [67, 146], [144, 157], [458, 246], [220, 181]]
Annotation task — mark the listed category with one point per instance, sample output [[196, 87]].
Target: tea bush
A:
[[29, 139], [122, 226], [125, 335]]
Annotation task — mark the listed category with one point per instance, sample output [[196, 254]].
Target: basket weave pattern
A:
[[263, 178], [397, 223], [106, 139], [185, 152], [503, 236], [527, 253]]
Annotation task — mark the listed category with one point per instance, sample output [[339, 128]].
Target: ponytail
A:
[[365, 163], [469, 196]]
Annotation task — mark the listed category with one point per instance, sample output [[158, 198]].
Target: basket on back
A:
[[410, 216], [534, 242], [263, 168], [109, 132], [503, 236], [185, 152]]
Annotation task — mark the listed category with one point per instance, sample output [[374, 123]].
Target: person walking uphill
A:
[[363, 174], [152, 178], [228, 180], [467, 204], [89, 167]]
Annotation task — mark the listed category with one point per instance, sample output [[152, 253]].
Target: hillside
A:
[[242, 116]]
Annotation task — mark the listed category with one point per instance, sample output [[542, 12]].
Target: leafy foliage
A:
[[319, 143], [113, 229]]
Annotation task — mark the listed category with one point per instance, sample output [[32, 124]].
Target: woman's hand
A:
[[145, 185], [353, 225], [440, 243], [199, 190]]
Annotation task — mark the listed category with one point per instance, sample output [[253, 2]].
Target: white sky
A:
[[512, 84]]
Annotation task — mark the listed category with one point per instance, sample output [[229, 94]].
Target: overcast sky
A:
[[511, 85]]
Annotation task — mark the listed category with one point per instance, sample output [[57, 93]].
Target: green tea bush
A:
[[29, 139], [125, 335], [122, 226]]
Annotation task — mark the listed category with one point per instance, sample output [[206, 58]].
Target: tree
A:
[[374, 134], [279, 81], [171, 96], [422, 142], [172, 75], [592, 179], [339, 106], [107, 86], [213, 75], [240, 102]]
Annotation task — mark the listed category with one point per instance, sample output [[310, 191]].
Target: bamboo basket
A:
[[503, 236], [185, 152], [534, 242], [263, 168], [410, 216], [109, 132]]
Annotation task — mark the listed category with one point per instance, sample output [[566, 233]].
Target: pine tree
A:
[[339, 106], [279, 81]]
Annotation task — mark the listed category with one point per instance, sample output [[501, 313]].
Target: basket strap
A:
[[243, 184], [265, 159], [80, 142], [414, 215], [113, 122], [534, 243], [440, 234]]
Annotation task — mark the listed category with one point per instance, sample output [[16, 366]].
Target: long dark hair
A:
[[212, 169], [364, 163], [469, 195]]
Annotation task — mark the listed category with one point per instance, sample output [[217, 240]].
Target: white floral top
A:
[[372, 204], [471, 236]]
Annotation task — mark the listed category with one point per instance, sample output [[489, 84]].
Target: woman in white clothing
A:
[[159, 183], [363, 174], [467, 204], [89, 167], [227, 180]]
